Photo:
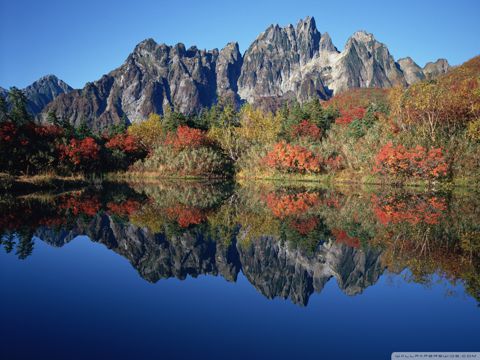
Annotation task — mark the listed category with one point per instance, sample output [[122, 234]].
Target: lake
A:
[[201, 270]]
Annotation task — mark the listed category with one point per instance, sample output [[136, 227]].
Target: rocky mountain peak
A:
[[434, 69], [290, 62], [363, 36], [326, 43], [41, 92], [411, 70]]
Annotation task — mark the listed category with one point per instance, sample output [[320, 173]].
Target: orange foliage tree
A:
[[186, 137], [399, 161], [292, 158], [284, 204]]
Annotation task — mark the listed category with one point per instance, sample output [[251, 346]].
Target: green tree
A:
[[19, 113], [3, 109]]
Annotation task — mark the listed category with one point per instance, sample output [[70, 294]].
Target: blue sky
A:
[[81, 40]]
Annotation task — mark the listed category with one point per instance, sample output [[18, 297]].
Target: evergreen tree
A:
[[18, 114], [3, 109]]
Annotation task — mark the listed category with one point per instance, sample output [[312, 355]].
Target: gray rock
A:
[[153, 77], [283, 63], [412, 72], [435, 69], [41, 92]]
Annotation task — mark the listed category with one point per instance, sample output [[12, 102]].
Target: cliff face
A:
[[271, 266], [412, 72], [282, 63], [153, 77], [437, 68]]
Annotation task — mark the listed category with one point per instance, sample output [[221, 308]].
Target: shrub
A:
[[473, 130], [399, 161], [186, 137], [306, 130], [349, 115], [80, 154], [167, 161], [292, 158]]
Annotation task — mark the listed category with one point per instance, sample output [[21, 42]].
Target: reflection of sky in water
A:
[[84, 301]]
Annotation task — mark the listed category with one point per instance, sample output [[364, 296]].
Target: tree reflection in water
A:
[[287, 241]]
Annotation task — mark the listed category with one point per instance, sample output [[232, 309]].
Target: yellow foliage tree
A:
[[150, 132], [256, 128]]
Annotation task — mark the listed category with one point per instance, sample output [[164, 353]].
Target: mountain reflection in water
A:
[[288, 242]]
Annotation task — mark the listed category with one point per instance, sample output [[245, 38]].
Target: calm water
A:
[[217, 271]]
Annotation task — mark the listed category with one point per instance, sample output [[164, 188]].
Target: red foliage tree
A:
[[304, 226], [418, 162], [186, 215], [412, 209], [124, 142], [307, 130], [186, 137], [283, 205], [341, 236], [80, 152], [348, 115], [124, 208], [78, 204], [292, 158]]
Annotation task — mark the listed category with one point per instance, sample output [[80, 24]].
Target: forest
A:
[[428, 133]]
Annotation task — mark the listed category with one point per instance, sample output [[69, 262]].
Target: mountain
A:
[[282, 63], [41, 92], [152, 77], [434, 69], [411, 70], [273, 267]]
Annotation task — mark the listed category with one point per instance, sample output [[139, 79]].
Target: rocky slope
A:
[[434, 69], [154, 76], [282, 63], [42, 92], [271, 266]]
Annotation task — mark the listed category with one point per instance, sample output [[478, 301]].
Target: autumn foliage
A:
[[185, 215], [417, 162], [305, 129], [350, 114], [412, 209], [123, 142], [186, 137], [80, 151], [292, 158], [284, 204]]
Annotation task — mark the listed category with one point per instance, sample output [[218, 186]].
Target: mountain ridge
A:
[[290, 62], [41, 92]]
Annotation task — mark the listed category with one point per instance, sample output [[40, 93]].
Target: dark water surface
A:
[[217, 271]]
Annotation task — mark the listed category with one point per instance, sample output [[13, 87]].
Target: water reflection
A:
[[288, 242]]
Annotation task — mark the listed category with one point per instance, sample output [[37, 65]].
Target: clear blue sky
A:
[[81, 40]]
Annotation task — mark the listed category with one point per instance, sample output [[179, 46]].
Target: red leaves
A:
[[292, 158], [79, 151], [304, 226], [341, 236], [186, 215], [283, 205], [334, 163], [186, 137], [348, 115], [123, 142], [125, 208], [79, 204], [307, 130], [413, 209], [48, 131], [8, 131], [417, 162]]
